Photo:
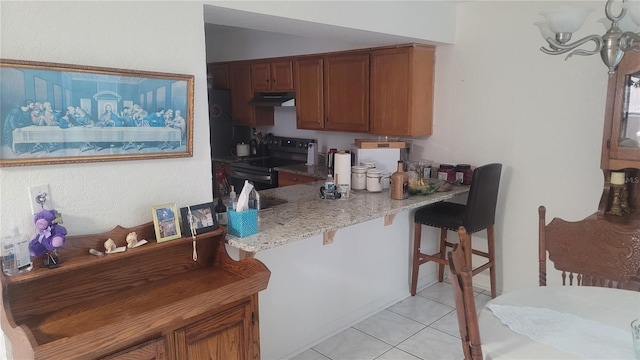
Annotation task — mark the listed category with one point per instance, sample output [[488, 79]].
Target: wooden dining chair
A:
[[461, 276], [590, 252]]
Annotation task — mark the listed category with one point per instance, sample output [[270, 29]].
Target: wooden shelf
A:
[[91, 307]]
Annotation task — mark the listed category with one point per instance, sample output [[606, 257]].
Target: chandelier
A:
[[621, 36]]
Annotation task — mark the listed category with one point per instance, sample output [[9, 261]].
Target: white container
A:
[[386, 180], [15, 253], [242, 149], [368, 164], [358, 177], [374, 180]]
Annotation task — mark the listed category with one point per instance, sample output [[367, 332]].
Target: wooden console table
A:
[[150, 302]]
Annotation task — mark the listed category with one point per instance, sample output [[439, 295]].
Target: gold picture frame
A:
[[166, 222], [54, 113]]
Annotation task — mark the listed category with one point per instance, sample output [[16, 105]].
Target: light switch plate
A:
[[34, 193]]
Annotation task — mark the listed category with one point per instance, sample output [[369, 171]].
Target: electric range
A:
[[283, 151]]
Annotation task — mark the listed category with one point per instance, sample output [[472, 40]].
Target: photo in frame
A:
[[54, 113], [203, 217], [166, 222]]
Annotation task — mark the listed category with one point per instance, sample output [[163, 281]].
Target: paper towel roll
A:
[[342, 168]]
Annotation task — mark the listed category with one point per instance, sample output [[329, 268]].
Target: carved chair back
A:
[[461, 275], [590, 252]]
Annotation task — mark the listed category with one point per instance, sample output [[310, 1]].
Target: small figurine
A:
[[110, 246], [132, 239], [51, 236]]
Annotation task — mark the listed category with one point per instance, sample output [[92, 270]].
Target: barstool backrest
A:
[[480, 211]]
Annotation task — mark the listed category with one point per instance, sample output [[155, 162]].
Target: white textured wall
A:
[[500, 99], [143, 35]]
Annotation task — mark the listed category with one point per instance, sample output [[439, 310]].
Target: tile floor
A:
[[424, 326]]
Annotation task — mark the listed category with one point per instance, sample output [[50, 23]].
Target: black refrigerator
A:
[[223, 134]]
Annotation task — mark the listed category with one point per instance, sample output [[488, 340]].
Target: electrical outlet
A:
[[37, 193]]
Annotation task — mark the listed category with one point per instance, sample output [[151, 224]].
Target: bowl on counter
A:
[[426, 186]]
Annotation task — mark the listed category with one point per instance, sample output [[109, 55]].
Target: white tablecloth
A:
[[609, 307]]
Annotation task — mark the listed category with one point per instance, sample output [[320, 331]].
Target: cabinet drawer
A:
[[286, 179]]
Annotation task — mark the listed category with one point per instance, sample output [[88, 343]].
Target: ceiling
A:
[[224, 20]]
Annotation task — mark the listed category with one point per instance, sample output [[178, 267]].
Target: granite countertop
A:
[[306, 214]]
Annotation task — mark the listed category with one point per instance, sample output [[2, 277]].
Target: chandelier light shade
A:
[[621, 35], [566, 19]]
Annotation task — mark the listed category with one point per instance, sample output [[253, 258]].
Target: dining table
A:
[[560, 322]]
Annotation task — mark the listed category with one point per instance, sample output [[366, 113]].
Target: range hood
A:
[[273, 99]]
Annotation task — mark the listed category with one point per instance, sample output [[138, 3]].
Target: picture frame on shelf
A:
[[203, 218], [166, 222], [53, 113]]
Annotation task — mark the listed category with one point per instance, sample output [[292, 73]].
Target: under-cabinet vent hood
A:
[[274, 99]]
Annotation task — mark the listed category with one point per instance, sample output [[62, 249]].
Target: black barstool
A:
[[477, 214]]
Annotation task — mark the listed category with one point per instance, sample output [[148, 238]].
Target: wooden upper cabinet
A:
[[346, 92], [621, 137], [272, 76], [309, 94], [241, 94], [402, 90], [219, 75]]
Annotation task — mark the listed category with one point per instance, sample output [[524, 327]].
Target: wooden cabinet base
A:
[[136, 302], [286, 179]]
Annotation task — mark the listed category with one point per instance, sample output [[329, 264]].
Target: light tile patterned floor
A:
[[424, 326]]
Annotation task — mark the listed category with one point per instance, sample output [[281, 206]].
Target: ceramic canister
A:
[[374, 180], [358, 177], [242, 149]]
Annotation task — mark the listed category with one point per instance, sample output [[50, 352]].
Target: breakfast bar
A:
[[305, 214], [333, 263]]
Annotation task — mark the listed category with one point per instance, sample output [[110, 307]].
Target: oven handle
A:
[[250, 176]]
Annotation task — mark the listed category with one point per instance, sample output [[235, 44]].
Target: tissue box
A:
[[242, 223]]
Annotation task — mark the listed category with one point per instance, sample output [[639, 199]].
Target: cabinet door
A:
[[309, 94], [241, 94], [151, 350], [227, 335], [272, 76], [402, 91], [219, 74], [621, 142], [261, 76], [346, 92], [282, 75]]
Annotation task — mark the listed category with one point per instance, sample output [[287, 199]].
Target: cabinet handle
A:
[[326, 119], [266, 80]]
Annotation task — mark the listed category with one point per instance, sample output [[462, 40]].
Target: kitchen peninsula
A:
[[305, 214], [333, 263]]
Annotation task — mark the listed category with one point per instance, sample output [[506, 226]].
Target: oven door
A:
[[261, 179]]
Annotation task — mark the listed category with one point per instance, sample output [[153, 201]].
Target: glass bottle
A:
[[221, 212], [15, 253]]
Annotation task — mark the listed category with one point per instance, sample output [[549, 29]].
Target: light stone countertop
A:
[[306, 214]]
